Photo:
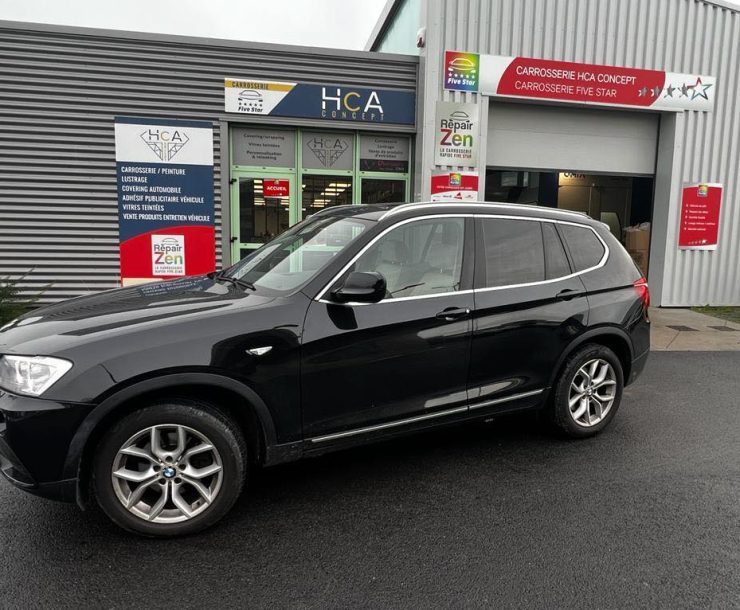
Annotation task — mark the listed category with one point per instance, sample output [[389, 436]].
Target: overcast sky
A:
[[343, 24]]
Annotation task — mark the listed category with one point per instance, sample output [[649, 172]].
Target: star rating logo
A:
[[651, 91], [699, 89]]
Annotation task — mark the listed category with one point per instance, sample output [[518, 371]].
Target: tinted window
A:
[[556, 261], [514, 252], [418, 258], [586, 249]]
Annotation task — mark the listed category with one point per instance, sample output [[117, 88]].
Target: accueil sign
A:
[[456, 134]]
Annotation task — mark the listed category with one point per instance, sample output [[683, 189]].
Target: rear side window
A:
[[556, 261], [514, 252], [585, 248]]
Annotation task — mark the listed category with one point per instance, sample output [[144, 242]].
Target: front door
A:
[[405, 358], [262, 208]]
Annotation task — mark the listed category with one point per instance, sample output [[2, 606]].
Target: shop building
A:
[[290, 130], [656, 156], [658, 162]]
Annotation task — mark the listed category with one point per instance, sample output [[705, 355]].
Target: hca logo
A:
[[164, 142], [341, 103]]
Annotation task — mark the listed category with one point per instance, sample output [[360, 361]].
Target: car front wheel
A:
[[588, 391], [170, 469]]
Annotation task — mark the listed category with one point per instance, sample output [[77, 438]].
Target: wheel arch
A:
[[235, 399], [612, 337]]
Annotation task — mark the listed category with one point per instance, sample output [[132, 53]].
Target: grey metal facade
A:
[[60, 89], [688, 36]]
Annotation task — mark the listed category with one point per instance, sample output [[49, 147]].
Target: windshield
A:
[[297, 255]]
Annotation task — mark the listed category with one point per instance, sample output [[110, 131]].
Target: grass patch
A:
[[732, 314]]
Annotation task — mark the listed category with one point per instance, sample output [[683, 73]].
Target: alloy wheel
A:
[[593, 390], [167, 473]]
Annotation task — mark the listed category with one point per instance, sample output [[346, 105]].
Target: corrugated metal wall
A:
[[59, 91], [688, 36]]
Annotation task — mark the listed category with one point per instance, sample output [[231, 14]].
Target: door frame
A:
[[293, 209]]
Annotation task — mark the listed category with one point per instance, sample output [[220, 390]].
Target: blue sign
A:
[[165, 198], [310, 101]]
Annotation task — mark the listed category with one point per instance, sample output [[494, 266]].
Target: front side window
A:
[[513, 251], [418, 258], [299, 254]]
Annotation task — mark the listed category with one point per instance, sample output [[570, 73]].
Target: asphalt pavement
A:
[[484, 515]]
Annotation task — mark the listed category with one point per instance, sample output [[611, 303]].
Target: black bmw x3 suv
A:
[[358, 324]]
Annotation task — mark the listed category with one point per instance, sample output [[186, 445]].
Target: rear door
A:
[[404, 359], [529, 304]]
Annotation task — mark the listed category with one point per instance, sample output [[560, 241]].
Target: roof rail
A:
[[501, 204]]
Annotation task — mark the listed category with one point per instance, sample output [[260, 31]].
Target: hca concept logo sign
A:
[[165, 143], [337, 103]]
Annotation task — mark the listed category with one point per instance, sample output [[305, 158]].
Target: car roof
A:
[[378, 212]]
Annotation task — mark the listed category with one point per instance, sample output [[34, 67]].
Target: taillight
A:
[[641, 286]]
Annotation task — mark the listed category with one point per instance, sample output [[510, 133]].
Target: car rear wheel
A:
[[170, 469], [588, 391]]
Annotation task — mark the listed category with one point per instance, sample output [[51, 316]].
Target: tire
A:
[[172, 489], [573, 421]]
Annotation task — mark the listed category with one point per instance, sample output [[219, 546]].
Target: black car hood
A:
[[126, 307]]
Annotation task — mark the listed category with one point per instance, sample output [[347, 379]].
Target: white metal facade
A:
[[689, 36]]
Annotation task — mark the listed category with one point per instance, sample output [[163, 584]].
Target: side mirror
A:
[[361, 287]]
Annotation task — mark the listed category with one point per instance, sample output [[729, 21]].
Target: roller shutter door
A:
[[596, 141]]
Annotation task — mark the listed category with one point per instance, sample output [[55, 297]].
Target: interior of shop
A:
[[624, 203]]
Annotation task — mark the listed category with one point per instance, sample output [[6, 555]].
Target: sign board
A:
[[455, 186], [327, 150], [571, 82], [165, 198], [311, 101], [263, 147], [384, 154], [462, 71], [456, 134], [275, 187], [700, 206]]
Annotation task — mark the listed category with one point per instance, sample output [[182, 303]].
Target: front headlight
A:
[[31, 374]]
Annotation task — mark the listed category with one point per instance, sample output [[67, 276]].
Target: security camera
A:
[[421, 37]]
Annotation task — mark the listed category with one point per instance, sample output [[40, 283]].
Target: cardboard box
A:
[[637, 239], [641, 260]]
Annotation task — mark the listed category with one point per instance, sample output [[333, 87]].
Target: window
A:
[[418, 258], [513, 251], [298, 254], [556, 261], [586, 249]]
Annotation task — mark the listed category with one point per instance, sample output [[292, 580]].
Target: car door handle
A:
[[568, 293], [453, 313]]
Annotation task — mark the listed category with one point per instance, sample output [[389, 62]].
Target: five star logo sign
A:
[[164, 142]]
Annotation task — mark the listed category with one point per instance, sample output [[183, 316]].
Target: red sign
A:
[[455, 186], [275, 188], [700, 205], [565, 81]]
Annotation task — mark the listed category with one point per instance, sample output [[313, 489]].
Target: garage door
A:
[[587, 140]]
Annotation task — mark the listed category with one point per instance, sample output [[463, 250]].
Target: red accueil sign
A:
[[700, 206], [275, 188], [565, 81]]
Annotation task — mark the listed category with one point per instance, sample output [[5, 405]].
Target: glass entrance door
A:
[[383, 190], [260, 209]]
